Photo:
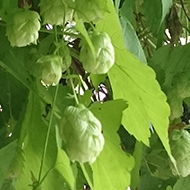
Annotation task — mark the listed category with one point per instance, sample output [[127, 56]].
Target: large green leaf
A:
[[112, 167], [135, 82], [34, 130]]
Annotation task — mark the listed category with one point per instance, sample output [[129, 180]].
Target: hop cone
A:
[[56, 12], [104, 53], [91, 10], [23, 28], [51, 69], [63, 51], [180, 147], [81, 131]]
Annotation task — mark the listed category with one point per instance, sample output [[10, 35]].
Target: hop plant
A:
[[23, 29], [104, 56], [63, 51], [180, 148], [51, 71], [56, 12], [92, 10], [81, 131]]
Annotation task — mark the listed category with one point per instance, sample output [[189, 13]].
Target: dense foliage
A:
[[94, 94]]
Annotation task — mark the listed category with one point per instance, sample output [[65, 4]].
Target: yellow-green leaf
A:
[[135, 82]]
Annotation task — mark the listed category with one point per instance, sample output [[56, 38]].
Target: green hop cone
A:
[[81, 131], [104, 53], [64, 52], [56, 12], [23, 28], [91, 10], [51, 69], [180, 148]]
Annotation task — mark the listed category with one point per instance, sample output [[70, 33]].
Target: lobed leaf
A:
[[112, 165], [135, 82]]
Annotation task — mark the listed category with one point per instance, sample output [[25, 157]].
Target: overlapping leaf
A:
[[172, 69], [155, 12], [113, 165], [34, 130], [131, 40]]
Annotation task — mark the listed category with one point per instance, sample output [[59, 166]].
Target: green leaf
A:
[[149, 182], [173, 71], [135, 82], [153, 14], [7, 7], [138, 152], [165, 8], [85, 99], [182, 184], [13, 59], [131, 40], [158, 163], [127, 9], [8, 184], [117, 3], [81, 28], [97, 80], [156, 12], [171, 61], [109, 109], [63, 100], [87, 172], [7, 154], [112, 167], [34, 130], [11, 88], [175, 102], [64, 168]]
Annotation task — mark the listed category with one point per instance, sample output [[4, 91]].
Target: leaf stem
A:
[[47, 135], [55, 33], [40, 182], [73, 88]]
